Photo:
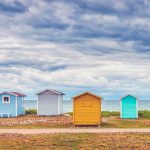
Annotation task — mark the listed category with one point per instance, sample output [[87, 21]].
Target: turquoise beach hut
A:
[[11, 104], [129, 107]]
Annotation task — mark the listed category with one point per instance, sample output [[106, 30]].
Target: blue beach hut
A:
[[11, 104], [129, 107]]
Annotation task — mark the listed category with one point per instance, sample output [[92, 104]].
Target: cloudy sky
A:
[[75, 46]]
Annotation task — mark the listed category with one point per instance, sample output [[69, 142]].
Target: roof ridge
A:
[[13, 93], [55, 91], [87, 93]]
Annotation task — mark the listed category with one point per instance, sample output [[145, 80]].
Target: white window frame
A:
[[4, 101]]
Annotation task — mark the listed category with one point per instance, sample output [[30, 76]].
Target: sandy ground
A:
[[33, 119], [77, 130]]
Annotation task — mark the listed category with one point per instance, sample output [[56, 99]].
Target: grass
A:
[[110, 123], [126, 123], [144, 114], [110, 120], [75, 141], [142, 122], [36, 126], [110, 113], [30, 111], [70, 113]]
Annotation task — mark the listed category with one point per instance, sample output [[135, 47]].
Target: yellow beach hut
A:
[[87, 109]]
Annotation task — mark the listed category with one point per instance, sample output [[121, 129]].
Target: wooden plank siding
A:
[[87, 109], [129, 109]]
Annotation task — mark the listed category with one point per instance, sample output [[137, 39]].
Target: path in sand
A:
[[73, 130]]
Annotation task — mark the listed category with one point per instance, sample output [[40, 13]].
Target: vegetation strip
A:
[[115, 141], [109, 120]]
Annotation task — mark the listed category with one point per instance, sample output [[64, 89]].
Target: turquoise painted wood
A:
[[129, 107]]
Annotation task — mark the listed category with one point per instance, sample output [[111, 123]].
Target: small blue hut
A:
[[129, 107], [11, 104]]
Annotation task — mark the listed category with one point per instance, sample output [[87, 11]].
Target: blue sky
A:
[[75, 46]]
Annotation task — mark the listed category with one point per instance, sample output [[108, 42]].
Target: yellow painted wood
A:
[[87, 109]]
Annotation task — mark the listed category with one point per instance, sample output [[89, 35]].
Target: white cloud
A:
[[100, 19], [107, 59], [82, 70], [111, 44]]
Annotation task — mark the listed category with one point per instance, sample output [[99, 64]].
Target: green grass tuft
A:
[[110, 113], [144, 114], [31, 112]]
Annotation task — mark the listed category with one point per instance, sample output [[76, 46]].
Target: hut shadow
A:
[[87, 126]]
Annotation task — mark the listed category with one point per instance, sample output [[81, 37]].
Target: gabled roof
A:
[[54, 91], [18, 94], [127, 96], [14, 93], [86, 93]]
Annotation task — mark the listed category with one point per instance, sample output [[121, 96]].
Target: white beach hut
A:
[[50, 102]]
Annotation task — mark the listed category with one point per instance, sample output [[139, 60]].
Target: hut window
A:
[[6, 99], [86, 104]]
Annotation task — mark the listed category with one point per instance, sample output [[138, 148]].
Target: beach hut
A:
[[50, 102], [87, 109], [129, 107], [11, 104]]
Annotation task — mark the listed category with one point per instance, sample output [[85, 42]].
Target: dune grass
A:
[[126, 123], [110, 113], [75, 141], [31, 112], [142, 122], [110, 123], [109, 120], [142, 113]]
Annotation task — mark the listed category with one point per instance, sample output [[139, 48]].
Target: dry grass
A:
[[116, 122], [31, 121], [76, 142]]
